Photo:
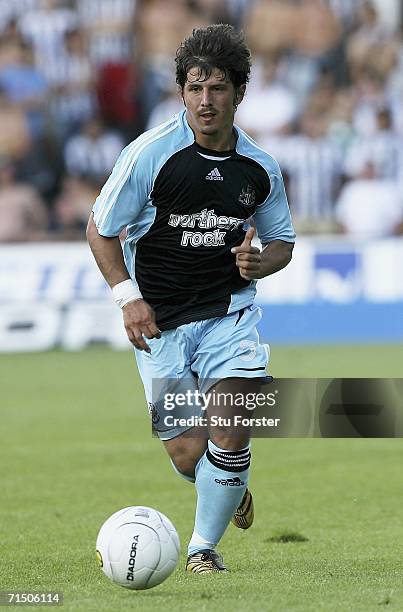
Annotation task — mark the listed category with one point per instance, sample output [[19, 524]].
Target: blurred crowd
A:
[[79, 79]]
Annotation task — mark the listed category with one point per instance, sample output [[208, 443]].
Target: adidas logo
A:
[[214, 175], [230, 482]]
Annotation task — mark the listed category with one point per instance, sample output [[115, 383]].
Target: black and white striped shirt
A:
[[46, 30], [116, 44], [314, 168], [87, 157], [13, 9], [384, 150], [66, 69]]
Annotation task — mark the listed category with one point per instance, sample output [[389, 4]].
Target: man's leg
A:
[[222, 473], [230, 360], [224, 346], [186, 451]]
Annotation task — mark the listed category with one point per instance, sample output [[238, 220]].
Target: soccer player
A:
[[185, 192]]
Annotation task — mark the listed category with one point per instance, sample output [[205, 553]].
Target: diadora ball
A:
[[138, 547]]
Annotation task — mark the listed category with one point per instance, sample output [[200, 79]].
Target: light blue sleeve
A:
[[272, 217], [126, 191]]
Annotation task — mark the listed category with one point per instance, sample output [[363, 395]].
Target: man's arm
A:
[[255, 264], [275, 256], [108, 255], [138, 316]]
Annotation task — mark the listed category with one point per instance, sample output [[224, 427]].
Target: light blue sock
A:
[[221, 480]]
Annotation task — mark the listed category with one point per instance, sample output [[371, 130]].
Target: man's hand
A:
[[248, 258], [139, 319]]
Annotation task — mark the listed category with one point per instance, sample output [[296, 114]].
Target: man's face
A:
[[210, 103]]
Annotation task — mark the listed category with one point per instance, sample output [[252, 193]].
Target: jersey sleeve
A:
[[272, 218], [125, 193]]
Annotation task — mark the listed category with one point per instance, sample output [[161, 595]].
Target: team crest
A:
[[247, 197]]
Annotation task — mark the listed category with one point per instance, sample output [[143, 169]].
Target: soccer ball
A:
[[137, 547]]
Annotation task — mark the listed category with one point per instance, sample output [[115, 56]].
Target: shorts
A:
[[197, 355]]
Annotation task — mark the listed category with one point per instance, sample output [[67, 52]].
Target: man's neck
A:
[[217, 142]]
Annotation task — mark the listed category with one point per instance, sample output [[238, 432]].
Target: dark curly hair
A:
[[216, 46]]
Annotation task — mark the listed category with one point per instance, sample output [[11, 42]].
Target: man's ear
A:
[[239, 94]]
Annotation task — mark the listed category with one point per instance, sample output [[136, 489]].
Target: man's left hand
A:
[[248, 257]]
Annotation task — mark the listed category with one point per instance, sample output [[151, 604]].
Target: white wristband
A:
[[126, 292]]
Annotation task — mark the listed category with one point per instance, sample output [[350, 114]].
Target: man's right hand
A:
[[139, 319]]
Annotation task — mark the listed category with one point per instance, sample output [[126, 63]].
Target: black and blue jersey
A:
[[184, 208]]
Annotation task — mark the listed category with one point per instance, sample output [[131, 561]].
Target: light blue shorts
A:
[[197, 355]]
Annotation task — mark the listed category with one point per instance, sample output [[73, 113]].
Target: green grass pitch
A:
[[75, 446]]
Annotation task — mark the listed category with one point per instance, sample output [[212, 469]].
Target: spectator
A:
[[26, 87], [92, 153], [347, 12], [344, 66], [109, 25], [72, 79], [371, 45], [306, 26], [267, 92], [321, 31], [299, 74], [11, 10], [313, 165], [175, 20], [22, 212], [112, 43], [72, 207], [15, 139], [369, 92], [165, 109], [339, 118], [370, 207], [45, 28], [215, 11], [384, 150], [394, 89], [10, 43], [237, 10], [117, 99]]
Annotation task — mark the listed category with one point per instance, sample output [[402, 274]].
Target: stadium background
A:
[[78, 80]]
